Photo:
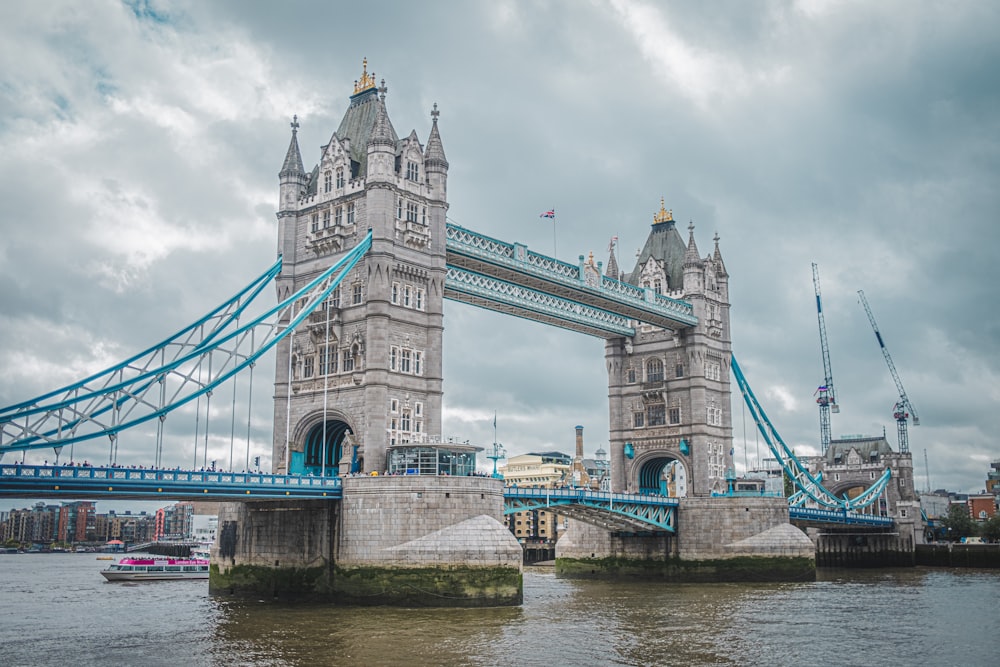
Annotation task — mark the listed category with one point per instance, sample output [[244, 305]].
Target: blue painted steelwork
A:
[[623, 512], [191, 337], [841, 517], [32, 481], [513, 263], [808, 484], [502, 296], [128, 398]]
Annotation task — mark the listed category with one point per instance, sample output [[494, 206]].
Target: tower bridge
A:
[[367, 258]]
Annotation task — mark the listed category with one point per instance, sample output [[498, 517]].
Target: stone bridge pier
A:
[[408, 541]]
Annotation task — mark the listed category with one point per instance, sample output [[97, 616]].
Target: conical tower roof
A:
[[434, 153], [691, 257], [293, 158], [612, 271], [717, 256], [359, 119], [664, 244]]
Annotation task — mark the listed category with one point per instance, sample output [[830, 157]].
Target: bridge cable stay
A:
[[197, 334], [82, 414], [809, 486]]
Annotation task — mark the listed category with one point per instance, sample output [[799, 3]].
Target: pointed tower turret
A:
[[692, 265], [292, 177], [382, 143], [435, 163], [612, 271]]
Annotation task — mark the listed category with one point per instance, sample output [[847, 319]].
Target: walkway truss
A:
[[171, 374]]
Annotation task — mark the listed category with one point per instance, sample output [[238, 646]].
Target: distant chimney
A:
[[579, 443]]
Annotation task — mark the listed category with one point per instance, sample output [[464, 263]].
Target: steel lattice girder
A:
[[514, 264], [614, 512], [132, 395], [505, 297]]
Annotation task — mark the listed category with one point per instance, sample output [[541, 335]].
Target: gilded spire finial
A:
[[663, 215], [366, 81]]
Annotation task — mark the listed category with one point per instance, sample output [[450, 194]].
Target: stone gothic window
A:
[[654, 370], [326, 219], [356, 295], [420, 298], [407, 295], [417, 359], [338, 216], [327, 182], [404, 362], [630, 375], [656, 414], [411, 212], [423, 215], [675, 415], [340, 177], [638, 419], [399, 208], [348, 361], [393, 356], [679, 370], [314, 223], [395, 293], [335, 298], [350, 213], [412, 171], [307, 367]]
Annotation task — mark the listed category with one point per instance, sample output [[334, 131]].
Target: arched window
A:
[[340, 177], [327, 182], [654, 370]]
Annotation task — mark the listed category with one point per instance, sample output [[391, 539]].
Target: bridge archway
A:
[[323, 448], [663, 475]]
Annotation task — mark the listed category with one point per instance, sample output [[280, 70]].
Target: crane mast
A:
[[826, 398], [903, 409]]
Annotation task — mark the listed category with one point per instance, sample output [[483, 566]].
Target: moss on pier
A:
[[404, 587], [744, 568]]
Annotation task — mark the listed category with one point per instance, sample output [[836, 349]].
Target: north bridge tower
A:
[[365, 371]]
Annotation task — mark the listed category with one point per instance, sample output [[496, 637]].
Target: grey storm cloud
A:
[[140, 144]]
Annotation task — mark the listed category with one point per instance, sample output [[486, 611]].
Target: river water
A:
[[56, 609]]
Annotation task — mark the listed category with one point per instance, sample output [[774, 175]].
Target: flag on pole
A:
[[611, 245], [551, 213]]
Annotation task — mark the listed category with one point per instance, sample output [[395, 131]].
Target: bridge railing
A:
[[838, 516], [153, 475], [589, 495]]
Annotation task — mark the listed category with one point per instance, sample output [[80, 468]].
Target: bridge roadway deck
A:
[[33, 481], [616, 512]]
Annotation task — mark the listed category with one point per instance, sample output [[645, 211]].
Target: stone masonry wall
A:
[[423, 520], [707, 526]]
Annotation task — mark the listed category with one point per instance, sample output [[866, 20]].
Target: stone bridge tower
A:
[[364, 372], [669, 391]]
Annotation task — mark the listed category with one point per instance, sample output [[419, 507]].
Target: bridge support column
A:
[[410, 541], [718, 539], [420, 540]]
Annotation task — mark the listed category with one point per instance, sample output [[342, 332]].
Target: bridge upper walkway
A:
[[509, 278]]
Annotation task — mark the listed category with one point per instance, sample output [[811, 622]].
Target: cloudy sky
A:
[[140, 144]]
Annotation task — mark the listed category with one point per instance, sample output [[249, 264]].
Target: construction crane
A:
[[825, 396], [903, 409]]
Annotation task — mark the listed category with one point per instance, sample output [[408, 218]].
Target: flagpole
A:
[[555, 253]]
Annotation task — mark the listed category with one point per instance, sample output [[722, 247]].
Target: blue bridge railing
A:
[[19, 480]]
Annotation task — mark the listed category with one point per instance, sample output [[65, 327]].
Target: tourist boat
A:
[[152, 569]]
